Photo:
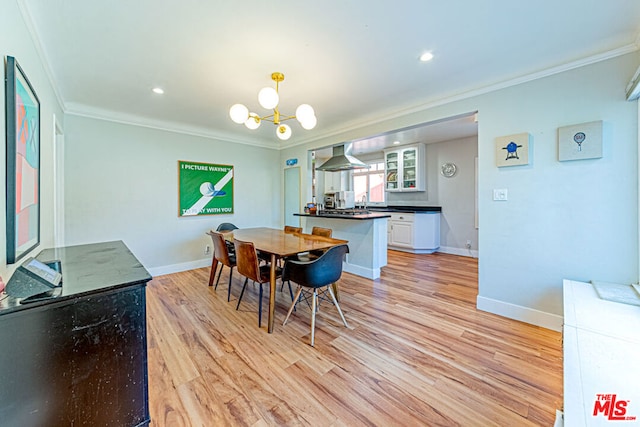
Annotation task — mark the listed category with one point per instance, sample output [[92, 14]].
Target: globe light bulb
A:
[[268, 98], [239, 113], [304, 112], [309, 123], [283, 132], [253, 122]]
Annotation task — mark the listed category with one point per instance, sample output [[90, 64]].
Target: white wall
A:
[[122, 184], [456, 195], [576, 220], [15, 40]]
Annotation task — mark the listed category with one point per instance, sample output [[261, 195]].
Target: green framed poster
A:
[[204, 189]]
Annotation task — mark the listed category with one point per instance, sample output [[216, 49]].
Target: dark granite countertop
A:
[[375, 215], [411, 209]]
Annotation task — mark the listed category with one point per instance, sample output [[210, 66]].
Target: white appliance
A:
[[345, 200]]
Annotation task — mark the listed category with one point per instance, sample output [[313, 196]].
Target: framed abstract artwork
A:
[[23, 162], [513, 150], [579, 142], [204, 189]]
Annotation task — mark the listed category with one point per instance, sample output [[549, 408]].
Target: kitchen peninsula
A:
[[366, 232]]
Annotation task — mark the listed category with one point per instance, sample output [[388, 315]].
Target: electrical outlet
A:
[[500, 194], [207, 250], [468, 244]]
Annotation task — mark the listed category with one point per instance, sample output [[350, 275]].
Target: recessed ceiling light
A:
[[396, 142], [427, 56], [158, 90]]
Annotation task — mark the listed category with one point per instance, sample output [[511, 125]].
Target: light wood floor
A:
[[417, 352]]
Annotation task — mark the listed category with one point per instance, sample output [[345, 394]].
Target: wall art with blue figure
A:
[[513, 150]]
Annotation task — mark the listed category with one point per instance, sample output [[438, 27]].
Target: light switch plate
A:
[[500, 194]]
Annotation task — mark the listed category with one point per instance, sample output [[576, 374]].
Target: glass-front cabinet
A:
[[391, 172], [405, 168]]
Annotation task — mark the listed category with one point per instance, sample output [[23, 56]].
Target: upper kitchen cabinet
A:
[[405, 168], [334, 181]]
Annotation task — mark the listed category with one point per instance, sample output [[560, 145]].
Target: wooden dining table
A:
[[279, 244]]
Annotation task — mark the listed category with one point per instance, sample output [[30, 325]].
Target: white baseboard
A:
[[176, 268], [458, 251], [369, 273], [518, 312], [411, 250]]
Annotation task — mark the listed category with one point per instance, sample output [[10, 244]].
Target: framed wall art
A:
[[579, 142], [204, 189], [512, 150], [23, 162]]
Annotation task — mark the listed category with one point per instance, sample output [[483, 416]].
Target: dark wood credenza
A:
[[79, 358]]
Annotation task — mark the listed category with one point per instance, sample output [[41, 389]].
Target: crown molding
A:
[[447, 99], [81, 110], [44, 60], [96, 113]]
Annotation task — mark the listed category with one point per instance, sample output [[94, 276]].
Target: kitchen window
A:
[[368, 184]]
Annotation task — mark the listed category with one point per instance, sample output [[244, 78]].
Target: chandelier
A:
[[268, 97]]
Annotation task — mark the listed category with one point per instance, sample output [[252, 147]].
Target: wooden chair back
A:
[[292, 230], [320, 231], [247, 260], [220, 249]]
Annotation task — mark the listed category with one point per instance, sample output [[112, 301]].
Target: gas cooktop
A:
[[343, 212]]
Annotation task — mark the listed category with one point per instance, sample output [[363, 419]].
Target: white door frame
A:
[[58, 183]]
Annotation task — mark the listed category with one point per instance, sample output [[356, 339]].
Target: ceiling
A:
[[356, 62]]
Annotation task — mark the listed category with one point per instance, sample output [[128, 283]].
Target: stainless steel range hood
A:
[[342, 160]]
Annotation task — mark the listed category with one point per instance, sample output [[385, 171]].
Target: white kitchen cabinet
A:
[[405, 168], [334, 181], [401, 231], [414, 232]]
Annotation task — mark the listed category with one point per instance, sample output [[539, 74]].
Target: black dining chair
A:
[[224, 227], [249, 266], [222, 255], [314, 276], [315, 231]]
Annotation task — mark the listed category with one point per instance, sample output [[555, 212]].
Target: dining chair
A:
[[291, 229], [249, 266], [321, 231], [226, 227], [314, 276], [222, 255], [316, 231]]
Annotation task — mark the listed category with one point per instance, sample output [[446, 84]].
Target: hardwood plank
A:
[[416, 352], [164, 403], [167, 341]]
